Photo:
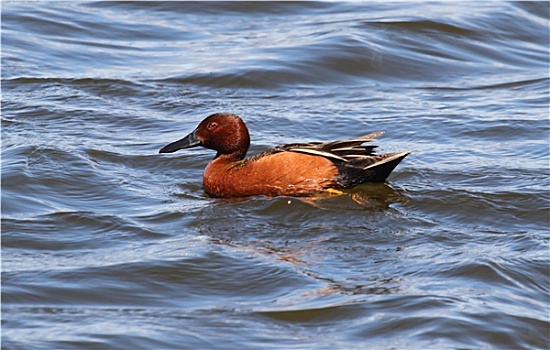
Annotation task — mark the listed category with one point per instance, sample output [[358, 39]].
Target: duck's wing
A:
[[344, 150], [356, 163]]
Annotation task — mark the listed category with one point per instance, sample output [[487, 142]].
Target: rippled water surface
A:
[[107, 244]]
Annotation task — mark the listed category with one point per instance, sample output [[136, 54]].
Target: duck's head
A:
[[223, 132]]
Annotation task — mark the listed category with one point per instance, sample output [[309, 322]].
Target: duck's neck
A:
[[231, 157]]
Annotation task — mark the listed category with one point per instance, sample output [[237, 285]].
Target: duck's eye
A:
[[212, 126]]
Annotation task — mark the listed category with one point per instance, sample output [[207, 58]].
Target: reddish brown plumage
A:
[[287, 170], [278, 174]]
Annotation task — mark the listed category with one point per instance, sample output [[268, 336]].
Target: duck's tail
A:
[[375, 168]]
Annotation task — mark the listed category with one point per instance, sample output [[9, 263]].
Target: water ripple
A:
[[107, 244]]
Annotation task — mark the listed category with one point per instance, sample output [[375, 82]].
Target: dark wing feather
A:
[[343, 150]]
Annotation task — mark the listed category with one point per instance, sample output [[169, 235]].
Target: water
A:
[[107, 244]]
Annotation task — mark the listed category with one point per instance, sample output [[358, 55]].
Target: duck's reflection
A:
[[305, 233]]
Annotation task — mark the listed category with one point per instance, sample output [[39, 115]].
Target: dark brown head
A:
[[223, 132]]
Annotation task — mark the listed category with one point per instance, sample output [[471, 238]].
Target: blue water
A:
[[107, 244]]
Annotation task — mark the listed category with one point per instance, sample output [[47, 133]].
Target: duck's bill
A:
[[186, 142]]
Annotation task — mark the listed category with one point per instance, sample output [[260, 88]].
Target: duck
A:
[[295, 170]]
